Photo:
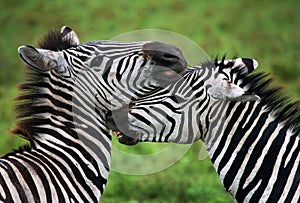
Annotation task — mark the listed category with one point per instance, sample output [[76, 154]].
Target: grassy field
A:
[[268, 31]]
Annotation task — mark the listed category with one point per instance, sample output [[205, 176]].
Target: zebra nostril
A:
[[170, 57], [165, 55]]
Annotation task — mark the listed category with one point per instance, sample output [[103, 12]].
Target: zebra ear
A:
[[228, 91], [244, 66], [69, 35], [39, 59]]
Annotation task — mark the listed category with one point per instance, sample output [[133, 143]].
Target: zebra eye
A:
[[226, 79], [52, 64]]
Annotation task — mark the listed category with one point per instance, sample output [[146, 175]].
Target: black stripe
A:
[[8, 197], [26, 176], [37, 167], [265, 170], [15, 181], [284, 172], [56, 164], [180, 129], [119, 67]]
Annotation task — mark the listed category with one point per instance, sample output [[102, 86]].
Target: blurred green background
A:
[[268, 31]]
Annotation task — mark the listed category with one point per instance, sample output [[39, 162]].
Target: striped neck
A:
[[61, 123], [254, 146]]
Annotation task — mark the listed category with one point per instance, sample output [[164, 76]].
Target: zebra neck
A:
[[59, 123], [255, 153], [86, 136]]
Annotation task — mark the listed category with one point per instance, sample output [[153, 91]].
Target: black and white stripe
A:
[[254, 145], [62, 113], [171, 109]]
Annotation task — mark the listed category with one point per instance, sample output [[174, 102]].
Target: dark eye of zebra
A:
[[226, 77], [52, 64]]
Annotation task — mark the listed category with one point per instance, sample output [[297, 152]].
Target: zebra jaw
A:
[[125, 139], [118, 122]]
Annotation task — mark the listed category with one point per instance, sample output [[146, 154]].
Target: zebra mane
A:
[[273, 97], [241, 71], [26, 109], [53, 40]]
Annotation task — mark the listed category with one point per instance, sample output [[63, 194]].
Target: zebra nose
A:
[[176, 62], [167, 60], [165, 56]]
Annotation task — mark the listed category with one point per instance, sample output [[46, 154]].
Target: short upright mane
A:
[[285, 109], [262, 85], [272, 96], [26, 107], [53, 41]]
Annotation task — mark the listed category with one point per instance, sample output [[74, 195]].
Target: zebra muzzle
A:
[[167, 60]]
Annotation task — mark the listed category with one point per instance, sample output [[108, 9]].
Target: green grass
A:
[[266, 30]]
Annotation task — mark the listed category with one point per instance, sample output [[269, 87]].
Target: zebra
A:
[[69, 88], [251, 139], [221, 86]]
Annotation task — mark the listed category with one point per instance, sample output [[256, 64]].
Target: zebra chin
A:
[[117, 122], [124, 139]]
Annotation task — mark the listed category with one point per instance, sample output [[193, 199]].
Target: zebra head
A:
[[225, 84], [165, 115], [123, 71], [66, 97]]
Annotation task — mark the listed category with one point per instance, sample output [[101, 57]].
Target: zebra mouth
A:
[[118, 134], [165, 75], [124, 139]]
